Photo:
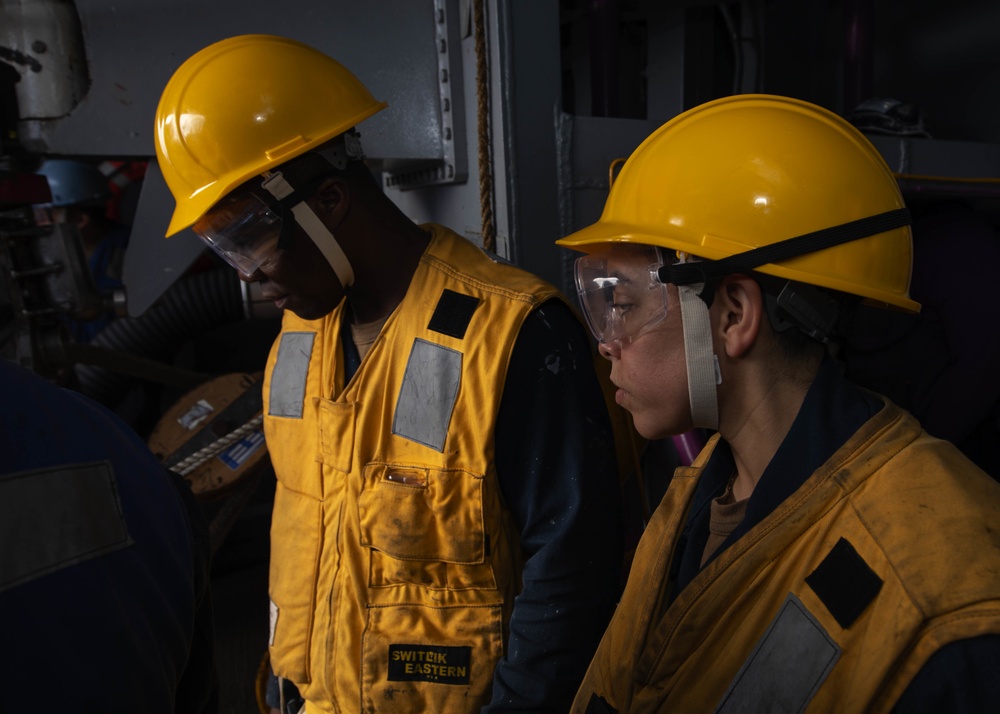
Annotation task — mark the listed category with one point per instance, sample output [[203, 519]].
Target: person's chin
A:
[[307, 311], [650, 428], [304, 313]]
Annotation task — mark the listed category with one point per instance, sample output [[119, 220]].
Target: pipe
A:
[[737, 43], [689, 445], [190, 307], [858, 62]]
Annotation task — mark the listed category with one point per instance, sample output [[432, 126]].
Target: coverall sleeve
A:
[[960, 678], [558, 473], [108, 589]]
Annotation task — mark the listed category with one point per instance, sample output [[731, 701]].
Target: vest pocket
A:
[[294, 554], [428, 659], [336, 421], [424, 526]]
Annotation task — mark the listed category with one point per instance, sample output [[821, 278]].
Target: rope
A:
[[186, 466], [482, 94]]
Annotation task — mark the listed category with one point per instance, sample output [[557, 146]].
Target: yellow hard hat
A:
[[789, 180], [244, 105]]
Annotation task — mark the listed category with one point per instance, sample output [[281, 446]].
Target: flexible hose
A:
[[190, 307]]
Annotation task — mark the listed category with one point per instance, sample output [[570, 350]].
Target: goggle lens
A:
[[244, 231], [619, 291]]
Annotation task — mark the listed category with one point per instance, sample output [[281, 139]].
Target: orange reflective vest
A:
[[833, 602], [394, 563]]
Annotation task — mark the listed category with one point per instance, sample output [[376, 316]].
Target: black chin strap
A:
[[708, 271]]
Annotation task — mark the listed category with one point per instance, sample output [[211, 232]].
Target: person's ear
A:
[[82, 219], [739, 307], [333, 198]]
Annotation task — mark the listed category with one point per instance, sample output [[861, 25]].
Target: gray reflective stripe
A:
[[273, 621], [787, 666], [288, 378], [427, 397], [53, 518]]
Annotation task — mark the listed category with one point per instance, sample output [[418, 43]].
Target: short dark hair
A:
[[799, 340]]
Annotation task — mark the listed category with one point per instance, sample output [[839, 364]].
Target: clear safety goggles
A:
[[244, 231], [620, 292]]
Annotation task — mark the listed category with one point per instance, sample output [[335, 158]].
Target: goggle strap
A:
[[277, 185], [704, 271], [303, 192]]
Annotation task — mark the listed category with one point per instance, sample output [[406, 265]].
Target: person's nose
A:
[[254, 277], [610, 350]]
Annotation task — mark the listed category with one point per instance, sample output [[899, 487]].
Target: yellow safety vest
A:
[[832, 603], [394, 562]]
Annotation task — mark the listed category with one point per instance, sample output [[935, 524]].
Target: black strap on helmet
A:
[[709, 271]]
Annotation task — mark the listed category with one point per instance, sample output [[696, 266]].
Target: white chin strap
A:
[[702, 364], [277, 186]]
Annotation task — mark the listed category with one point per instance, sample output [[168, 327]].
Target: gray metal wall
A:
[[553, 128]]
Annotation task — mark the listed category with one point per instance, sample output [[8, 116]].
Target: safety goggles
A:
[[245, 231], [620, 292]]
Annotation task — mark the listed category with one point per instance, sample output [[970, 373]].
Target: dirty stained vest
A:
[[833, 602], [394, 563]]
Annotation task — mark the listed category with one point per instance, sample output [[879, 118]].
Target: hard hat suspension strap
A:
[[702, 364]]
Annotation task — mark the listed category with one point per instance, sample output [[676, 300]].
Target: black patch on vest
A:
[[452, 315], [844, 583], [429, 663], [597, 705]]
